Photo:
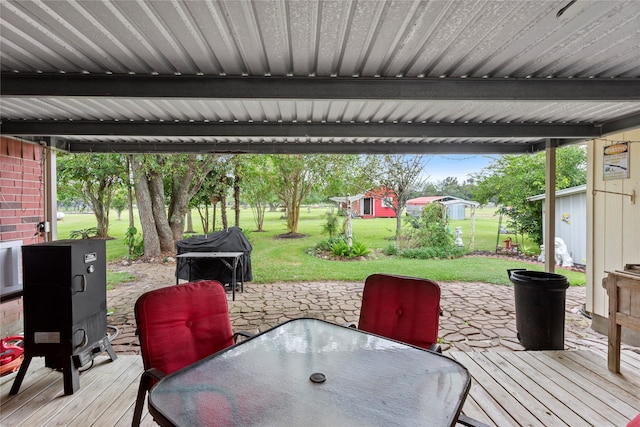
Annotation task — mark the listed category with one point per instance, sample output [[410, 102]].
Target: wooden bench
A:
[[623, 288]]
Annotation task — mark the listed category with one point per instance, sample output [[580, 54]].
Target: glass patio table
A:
[[312, 372]]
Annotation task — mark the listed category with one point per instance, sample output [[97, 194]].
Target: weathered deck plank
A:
[[509, 388], [555, 387], [520, 396]]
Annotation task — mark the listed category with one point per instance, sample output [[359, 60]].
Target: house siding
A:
[[571, 223], [613, 222]]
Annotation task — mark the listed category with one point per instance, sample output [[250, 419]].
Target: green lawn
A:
[[275, 260]]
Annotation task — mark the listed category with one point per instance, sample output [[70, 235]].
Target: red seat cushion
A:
[[179, 325], [406, 309]]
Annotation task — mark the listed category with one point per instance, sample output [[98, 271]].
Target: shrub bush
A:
[[85, 233], [134, 242], [428, 236]]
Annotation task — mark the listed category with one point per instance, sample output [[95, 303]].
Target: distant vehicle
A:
[[60, 216]]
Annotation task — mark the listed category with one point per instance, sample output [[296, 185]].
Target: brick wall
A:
[[21, 209]]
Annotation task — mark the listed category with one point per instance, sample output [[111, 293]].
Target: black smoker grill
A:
[[65, 306], [229, 240]]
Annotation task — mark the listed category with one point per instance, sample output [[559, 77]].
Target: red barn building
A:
[[374, 203]]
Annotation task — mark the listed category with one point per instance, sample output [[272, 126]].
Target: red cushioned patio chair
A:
[[177, 326], [405, 309], [402, 308]]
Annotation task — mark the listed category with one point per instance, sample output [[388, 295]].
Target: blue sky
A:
[[459, 166]]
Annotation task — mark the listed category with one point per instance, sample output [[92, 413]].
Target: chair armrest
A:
[[470, 422], [241, 334], [154, 373], [435, 347]]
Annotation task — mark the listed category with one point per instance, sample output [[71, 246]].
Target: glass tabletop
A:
[[311, 372]]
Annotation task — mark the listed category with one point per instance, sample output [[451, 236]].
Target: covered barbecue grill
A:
[[229, 240]]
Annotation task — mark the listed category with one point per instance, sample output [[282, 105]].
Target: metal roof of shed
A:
[[472, 76]]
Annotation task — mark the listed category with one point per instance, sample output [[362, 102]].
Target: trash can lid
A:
[[538, 278]]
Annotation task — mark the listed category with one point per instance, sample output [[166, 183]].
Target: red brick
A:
[[8, 160], [11, 236], [32, 207], [27, 151], [14, 149], [28, 191], [4, 220]]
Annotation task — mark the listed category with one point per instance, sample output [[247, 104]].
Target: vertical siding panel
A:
[[614, 221], [631, 211]]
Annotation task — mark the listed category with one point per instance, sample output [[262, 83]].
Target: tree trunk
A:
[[213, 219], [223, 211], [258, 215], [100, 210], [129, 192], [156, 188], [189, 222], [145, 211], [180, 195], [236, 191]]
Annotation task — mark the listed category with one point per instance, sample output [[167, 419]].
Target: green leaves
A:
[[511, 180]]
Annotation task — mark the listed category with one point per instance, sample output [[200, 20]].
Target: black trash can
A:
[[540, 305]]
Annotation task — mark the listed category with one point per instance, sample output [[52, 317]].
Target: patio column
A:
[[50, 194], [550, 206]]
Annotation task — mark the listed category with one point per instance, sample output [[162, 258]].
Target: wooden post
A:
[[50, 194], [550, 206], [615, 330]]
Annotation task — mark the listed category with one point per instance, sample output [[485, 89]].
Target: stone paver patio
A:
[[476, 316]]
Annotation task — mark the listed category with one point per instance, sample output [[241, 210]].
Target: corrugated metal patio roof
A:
[[473, 76]]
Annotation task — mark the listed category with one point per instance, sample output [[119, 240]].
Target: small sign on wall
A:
[[616, 161]]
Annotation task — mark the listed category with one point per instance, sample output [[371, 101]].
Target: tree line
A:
[[167, 187]]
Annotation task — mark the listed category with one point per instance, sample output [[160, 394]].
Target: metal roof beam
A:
[[621, 125], [338, 130], [136, 86], [132, 146]]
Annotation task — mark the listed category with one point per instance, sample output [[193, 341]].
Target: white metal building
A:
[[571, 220]]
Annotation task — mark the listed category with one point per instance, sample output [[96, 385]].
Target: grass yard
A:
[[276, 260]]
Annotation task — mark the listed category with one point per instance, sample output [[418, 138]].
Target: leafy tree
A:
[[119, 202], [95, 178], [185, 173], [161, 177], [450, 187], [396, 177], [510, 180], [429, 189], [212, 191], [297, 176], [257, 185]]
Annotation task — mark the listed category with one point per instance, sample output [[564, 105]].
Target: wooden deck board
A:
[[576, 389], [507, 397], [600, 388], [509, 389], [544, 377]]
